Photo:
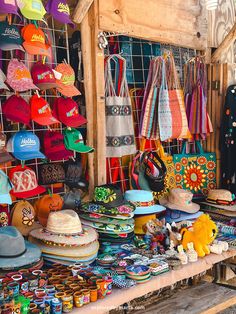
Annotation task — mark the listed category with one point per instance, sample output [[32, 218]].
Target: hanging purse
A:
[[51, 173]]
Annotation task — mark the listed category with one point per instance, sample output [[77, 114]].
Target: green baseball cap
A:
[[32, 9], [74, 141]]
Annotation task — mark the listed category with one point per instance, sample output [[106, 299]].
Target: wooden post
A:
[[81, 10], [93, 60]]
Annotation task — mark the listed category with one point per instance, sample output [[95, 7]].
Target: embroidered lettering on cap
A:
[[22, 73], [56, 142], [43, 75], [72, 112], [44, 109], [27, 142], [11, 31], [67, 79], [39, 38], [63, 8]]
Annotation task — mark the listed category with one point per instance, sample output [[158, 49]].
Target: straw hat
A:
[[64, 227], [222, 199], [181, 200]]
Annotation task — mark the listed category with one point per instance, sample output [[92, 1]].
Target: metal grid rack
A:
[[138, 54], [59, 51]]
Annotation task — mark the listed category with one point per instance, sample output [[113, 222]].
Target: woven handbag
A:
[[195, 172]]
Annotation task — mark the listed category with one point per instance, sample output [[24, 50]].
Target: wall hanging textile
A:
[[195, 172], [228, 141], [195, 90], [120, 138]]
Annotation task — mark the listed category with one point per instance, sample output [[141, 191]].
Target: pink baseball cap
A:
[[54, 147], [43, 76], [66, 111], [18, 76], [16, 109]]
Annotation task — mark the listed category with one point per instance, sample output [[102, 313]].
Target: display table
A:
[[121, 296]]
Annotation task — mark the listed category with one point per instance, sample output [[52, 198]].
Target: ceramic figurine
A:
[[174, 233], [182, 255], [191, 253]]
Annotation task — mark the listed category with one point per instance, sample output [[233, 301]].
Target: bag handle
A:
[[198, 144], [156, 156]]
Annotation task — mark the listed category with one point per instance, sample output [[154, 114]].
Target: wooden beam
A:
[[228, 40], [81, 10]]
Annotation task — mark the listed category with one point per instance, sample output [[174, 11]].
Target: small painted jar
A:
[[86, 294], [29, 295], [108, 280], [32, 306], [43, 280], [60, 287], [15, 287], [93, 293], [67, 303], [102, 288], [59, 295], [78, 299]]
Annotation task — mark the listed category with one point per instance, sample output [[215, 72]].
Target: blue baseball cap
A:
[[25, 145], [6, 187], [10, 38]]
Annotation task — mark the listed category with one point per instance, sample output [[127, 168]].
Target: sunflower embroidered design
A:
[[211, 165], [178, 178], [178, 166], [194, 177], [211, 175], [184, 161], [201, 160]]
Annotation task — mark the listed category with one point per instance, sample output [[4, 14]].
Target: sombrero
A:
[[95, 209], [109, 228], [221, 199]]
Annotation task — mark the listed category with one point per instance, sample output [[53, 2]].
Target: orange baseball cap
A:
[[66, 82], [41, 111], [34, 41]]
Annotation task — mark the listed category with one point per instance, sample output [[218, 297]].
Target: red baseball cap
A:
[[24, 182], [16, 109], [43, 76], [66, 111], [54, 147], [41, 111]]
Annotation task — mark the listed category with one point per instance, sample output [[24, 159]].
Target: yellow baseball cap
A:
[[32, 9]]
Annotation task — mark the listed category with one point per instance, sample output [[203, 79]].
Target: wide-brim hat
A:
[[108, 227], [68, 261], [177, 215], [87, 236], [180, 199], [105, 219], [222, 199], [75, 252], [88, 208], [231, 208], [31, 255], [30, 267]]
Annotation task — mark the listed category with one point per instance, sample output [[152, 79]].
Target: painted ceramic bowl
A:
[[139, 270], [137, 277]]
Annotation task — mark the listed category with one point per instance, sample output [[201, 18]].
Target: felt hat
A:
[[15, 251], [2, 80], [180, 199], [16, 109], [69, 234], [25, 145], [32, 9], [143, 202], [60, 11], [24, 182], [6, 187], [4, 155], [140, 221], [46, 204], [74, 141], [66, 82], [172, 215], [43, 76], [23, 217], [10, 38], [222, 199], [41, 111]]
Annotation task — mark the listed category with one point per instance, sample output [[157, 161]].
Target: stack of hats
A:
[[180, 207], [16, 253], [64, 241], [145, 208], [109, 214]]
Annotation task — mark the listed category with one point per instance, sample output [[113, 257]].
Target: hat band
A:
[[13, 256], [143, 204], [220, 202]]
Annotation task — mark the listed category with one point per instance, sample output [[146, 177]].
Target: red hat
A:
[[43, 76], [66, 110], [41, 111], [67, 80], [54, 147], [16, 109], [24, 182]]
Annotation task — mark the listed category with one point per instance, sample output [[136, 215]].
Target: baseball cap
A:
[[2, 80], [6, 187], [23, 217], [24, 145], [9, 7], [4, 156], [18, 76], [60, 11], [34, 41], [66, 82], [66, 111], [74, 141], [16, 109], [41, 111], [24, 182], [43, 76], [54, 147], [32, 9], [10, 38]]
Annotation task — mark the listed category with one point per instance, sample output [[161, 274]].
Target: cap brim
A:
[[192, 209], [3, 86], [5, 199], [46, 121], [5, 157], [74, 121], [38, 190], [68, 90], [9, 47], [44, 86], [37, 49], [19, 87], [82, 149], [28, 155]]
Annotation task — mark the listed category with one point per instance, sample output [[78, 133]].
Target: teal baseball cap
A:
[[6, 187], [74, 141], [10, 38]]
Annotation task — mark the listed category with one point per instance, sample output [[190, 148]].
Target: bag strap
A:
[[150, 156], [198, 145]]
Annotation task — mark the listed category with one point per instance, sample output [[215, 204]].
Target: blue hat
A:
[[178, 215], [15, 252], [24, 145], [143, 202], [10, 37], [6, 186]]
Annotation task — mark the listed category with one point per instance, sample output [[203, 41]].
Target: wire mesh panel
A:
[[138, 54]]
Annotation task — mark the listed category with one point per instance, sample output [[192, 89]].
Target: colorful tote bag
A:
[[164, 110], [195, 172], [120, 139]]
